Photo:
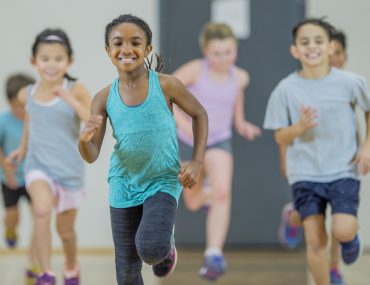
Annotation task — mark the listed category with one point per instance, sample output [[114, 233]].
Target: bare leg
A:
[[316, 240], [219, 169], [66, 230], [42, 205], [334, 253], [294, 218], [11, 218]]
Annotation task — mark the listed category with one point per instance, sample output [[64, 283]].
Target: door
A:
[[259, 191]]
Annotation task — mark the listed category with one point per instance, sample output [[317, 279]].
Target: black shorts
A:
[[12, 196]]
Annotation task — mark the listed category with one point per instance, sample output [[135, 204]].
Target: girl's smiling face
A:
[[221, 53], [128, 47], [51, 61]]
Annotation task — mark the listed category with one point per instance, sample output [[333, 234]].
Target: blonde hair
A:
[[211, 31]]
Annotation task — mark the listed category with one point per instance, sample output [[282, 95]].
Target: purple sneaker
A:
[[336, 277], [46, 279], [289, 236], [352, 250], [213, 267], [167, 266], [72, 281]]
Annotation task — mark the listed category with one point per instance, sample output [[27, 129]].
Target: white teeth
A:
[[313, 55], [126, 60]]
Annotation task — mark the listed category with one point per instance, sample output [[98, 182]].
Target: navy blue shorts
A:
[[311, 198]]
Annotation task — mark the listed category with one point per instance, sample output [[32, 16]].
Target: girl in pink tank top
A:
[[219, 86]]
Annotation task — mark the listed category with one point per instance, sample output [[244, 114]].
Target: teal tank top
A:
[[145, 159]]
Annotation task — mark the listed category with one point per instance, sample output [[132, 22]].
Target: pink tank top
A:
[[219, 101]]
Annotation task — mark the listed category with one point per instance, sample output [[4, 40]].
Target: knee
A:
[[42, 212], [342, 234], [152, 251]]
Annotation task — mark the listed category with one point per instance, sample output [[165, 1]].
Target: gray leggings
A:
[[142, 233]]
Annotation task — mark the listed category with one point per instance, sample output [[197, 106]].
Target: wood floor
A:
[[245, 267]]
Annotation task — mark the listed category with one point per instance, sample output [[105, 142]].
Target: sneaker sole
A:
[[174, 265]]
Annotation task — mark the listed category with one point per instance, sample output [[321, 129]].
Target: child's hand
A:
[[249, 131], [363, 160], [62, 93], [308, 118], [189, 174], [14, 158], [91, 128]]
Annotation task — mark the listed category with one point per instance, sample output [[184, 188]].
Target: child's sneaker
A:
[[72, 281], [72, 277], [351, 250], [289, 236], [167, 266], [31, 275], [11, 238], [336, 277], [46, 279], [213, 267]]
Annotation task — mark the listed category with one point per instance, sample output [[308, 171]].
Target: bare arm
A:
[[243, 127], [289, 134], [16, 156], [363, 157], [282, 155], [92, 135]]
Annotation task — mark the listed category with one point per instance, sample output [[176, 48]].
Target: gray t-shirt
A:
[[325, 152]]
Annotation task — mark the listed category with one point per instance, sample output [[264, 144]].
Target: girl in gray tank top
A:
[[54, 170]]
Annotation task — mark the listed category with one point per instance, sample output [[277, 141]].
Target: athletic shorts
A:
[[311, 198], [11, 196], [66, 199]]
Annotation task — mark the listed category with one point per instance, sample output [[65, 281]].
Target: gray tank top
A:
[[54, 129]]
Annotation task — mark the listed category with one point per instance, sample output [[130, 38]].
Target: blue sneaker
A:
[[167, 266], [213, 267], [289, 236], [351, 250], [336, 277]]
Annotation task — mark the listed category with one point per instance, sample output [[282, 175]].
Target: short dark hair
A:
[[340, 37], [16, 82], [329, 29]]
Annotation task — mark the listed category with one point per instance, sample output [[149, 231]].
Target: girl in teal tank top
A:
[[145, 177]]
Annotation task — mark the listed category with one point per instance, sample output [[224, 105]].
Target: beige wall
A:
[[352, 16], [84, 21]]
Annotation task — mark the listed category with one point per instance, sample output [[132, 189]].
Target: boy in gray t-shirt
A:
[[312, 112]]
